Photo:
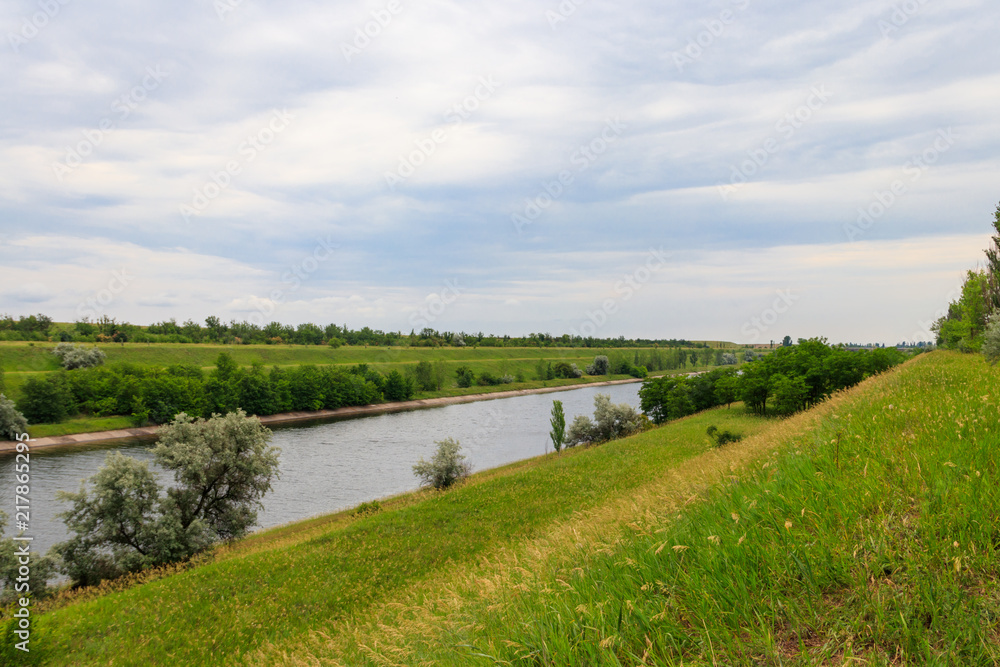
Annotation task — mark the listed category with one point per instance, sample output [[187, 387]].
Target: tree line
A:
[[110, 330], [790, 379]]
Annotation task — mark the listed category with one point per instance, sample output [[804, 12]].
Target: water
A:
[[335, 465]]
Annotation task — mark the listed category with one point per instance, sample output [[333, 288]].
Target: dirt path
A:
[[149, 432]]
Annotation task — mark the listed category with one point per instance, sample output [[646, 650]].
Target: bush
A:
[[566, 371], [367, 509], [991, 341], [465, 376], [47, 400], [729, 359], [600, 366], [723, 437], [445, 468], [611, 421], [12, 422], [78, 356]]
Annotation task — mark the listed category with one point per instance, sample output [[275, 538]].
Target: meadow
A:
[[861, 530]]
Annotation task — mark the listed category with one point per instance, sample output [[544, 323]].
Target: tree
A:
[[993, 267], [12, 422], [726, 388], [465, 376], [786, 341], [991, 340], [790, 393], [423, 373], [12, 583], [600, 366], [47, 400], [222, 467], [558, 421], [445, 468]]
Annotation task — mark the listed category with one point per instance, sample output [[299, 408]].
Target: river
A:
[[334, 465]]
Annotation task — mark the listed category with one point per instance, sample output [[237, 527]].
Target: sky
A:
[[738, 170]]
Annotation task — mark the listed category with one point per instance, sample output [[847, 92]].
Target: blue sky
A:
[[735, 170]]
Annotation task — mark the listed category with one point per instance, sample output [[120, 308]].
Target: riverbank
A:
[[149, 432]]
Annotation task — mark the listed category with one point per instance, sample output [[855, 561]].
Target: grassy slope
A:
[[870, 538], [279, 585]]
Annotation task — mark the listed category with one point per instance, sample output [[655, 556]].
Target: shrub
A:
[[445, 468], [78, 356], [729, 359], [367, 509], [558, 422], [12, 422], [611, 421], [991, 341], [600, 366], [723, 437], [566, 371], [465, 376], [47, 400]]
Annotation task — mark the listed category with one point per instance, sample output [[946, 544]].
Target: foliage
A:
[[611, 421], [78, 356], [367, 508], [600, 365], [558, 422], [222, 467], [991, 340], [445, 468], [424, 376], [723, 437], [963, 326], [47, 399], [12, 422], [728, 359], [12, 584], [465, 376], [792, 378]]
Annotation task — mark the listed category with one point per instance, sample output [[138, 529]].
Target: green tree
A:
[[46, 400], [991, 340], [790, 393], [558, 422], [423, 374], [726, 388], [446, 467], [993, 267], [222, 467], [466, 377], [12, 422]]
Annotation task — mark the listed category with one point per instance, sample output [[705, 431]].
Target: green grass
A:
[[79, 425], [871, 538], [287, 581]]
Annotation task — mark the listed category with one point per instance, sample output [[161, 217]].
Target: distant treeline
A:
[[108, 330], [792, 378], [157, 394]]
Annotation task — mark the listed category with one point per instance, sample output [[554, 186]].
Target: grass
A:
[[282, 583], [79, 425], [871, 536]]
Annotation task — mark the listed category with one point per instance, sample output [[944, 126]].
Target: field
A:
[[20, 361], [864, 530]]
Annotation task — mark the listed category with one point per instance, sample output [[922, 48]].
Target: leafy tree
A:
[[465, 376], [726, 389], [222, 467], [611, 421], [12, 583], [962, 328], [446, 467], [398, 388], [423, 374], [46, 400], [755, 386], [786, 341], [558, 422], [790, 393], [581, 431], [993, 267], [12, 422]]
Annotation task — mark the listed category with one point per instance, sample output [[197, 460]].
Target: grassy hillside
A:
[[864, 529]]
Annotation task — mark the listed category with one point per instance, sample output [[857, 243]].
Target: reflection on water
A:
[[332, 466]]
